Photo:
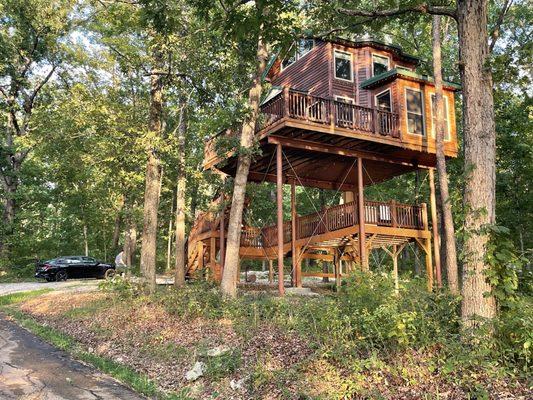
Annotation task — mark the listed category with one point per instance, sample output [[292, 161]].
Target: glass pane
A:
[[384, 101], [288, 61], [414, 101], [380, 65], [415, 124], [343, 66], [305, 46]]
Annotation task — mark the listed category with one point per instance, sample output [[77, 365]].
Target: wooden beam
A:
[[279, 198], [254, 176], [339, 151]]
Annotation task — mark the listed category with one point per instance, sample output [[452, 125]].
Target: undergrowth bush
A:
[[366, 320]]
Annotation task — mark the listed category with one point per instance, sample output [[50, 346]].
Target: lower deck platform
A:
[[331, 235]]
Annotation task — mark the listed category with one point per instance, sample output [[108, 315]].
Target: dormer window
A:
[[297, 51], [380, 64], [343, 66]]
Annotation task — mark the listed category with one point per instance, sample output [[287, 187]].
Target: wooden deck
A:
[[365, 129], [316, 235]]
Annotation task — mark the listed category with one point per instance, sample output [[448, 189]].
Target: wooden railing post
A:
[[332, 113], [374, 120], [394, 214], [424, 216], [286, 104]]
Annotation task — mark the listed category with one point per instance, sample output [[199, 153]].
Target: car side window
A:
[[88, 259]]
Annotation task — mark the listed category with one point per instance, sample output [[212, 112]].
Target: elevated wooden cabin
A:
[[339, 115]]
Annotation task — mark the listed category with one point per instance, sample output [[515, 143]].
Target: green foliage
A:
[[124, 287], [19, 297], [367, 321], [505, 267]]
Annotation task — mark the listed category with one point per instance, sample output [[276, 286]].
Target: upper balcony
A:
[[292, 113], [291, 107]]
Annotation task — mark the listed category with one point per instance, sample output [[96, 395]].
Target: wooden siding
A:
[[310, 73], [428, 140], [314, 73]]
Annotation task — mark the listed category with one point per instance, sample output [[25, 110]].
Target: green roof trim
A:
[[269, 65], [403, 73]]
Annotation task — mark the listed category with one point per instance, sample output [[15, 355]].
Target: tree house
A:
[[339, 115]]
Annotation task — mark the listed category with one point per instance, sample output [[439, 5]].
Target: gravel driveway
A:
[[8, 288]]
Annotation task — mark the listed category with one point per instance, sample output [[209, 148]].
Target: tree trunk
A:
[[231, 264], [152, 182], [85, 240], [117, 225], [480, 156], [179, 279], [448, 242], [170, 232]]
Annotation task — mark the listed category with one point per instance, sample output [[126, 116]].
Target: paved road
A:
[[8, 288], [33, 369]]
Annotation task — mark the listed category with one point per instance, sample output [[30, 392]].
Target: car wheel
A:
[[61, 276], [110, 273]]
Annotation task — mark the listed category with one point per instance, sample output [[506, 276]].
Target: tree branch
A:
[[421, 8], [496, 31], [28, 105]]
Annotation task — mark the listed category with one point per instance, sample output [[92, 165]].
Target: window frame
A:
[[335, 51], [379, 94], [447, 112], [382, 56], [423, 114], [344, 98], [294, 49]]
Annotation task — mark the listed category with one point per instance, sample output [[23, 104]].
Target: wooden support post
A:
[[337, 268], [434, 227], [279, 187], [222, 238], [361, 215], [298, 267], [212, 258], [270, 271], [200, 250]]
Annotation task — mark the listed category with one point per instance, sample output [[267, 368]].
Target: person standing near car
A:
[[120, 265]]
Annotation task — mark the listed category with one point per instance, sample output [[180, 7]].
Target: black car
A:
[[62, 268]]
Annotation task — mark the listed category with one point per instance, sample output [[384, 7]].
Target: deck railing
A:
[[390, 214], [297, 105]]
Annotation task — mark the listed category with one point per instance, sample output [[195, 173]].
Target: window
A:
[[343, 66], [434, 117], [415, 113], [344, 99], [380, 64], [383, 101], [297, 51]]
